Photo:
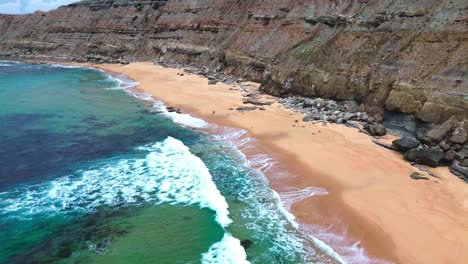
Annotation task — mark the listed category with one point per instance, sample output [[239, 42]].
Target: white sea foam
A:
[[65, 66], [123, 82], [227, 251], [7, 63], [168, 174], [185, 120]]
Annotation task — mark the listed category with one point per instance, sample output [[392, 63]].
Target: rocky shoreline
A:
[[422, 143]]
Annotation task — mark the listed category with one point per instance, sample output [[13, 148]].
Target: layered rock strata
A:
[[407, 56]]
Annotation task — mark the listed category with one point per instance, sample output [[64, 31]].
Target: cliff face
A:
[[408, 56]]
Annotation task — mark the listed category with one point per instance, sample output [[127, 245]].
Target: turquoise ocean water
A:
[[91, 174]]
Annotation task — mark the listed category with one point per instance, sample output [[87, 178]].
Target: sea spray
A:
[[227, 251]]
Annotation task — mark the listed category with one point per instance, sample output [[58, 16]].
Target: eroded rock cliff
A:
[[408, 56]]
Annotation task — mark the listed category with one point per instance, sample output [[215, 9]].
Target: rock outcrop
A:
[[407, 56]]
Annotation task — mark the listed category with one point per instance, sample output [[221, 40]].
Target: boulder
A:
[[449, 155], [405, 143], [459, 138], [332, 119], [460, 171], [375, 130], [308, 102], [462, 154], [411, 155], [331, 105], [350, 106], [444, 145], [464, 163], [378, 118], [427, 156], [320, 103], [421, 134], [439, 132], [348, 116], [364, 117]]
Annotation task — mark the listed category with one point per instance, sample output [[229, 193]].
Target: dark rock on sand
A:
[[246, 108], [427, 156], [405, 143], [375, 130], [256, 102], [418, 176]]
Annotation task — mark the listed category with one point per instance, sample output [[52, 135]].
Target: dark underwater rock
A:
[[246, 243]]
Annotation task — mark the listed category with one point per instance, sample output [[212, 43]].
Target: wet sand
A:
[[371, 196]]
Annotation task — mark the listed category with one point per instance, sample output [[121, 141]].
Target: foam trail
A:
[[292, 197], [227, 251], [124, 83]]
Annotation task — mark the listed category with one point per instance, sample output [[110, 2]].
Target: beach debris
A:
[[418, 176]]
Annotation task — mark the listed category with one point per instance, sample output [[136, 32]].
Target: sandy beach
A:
[[371, 196]]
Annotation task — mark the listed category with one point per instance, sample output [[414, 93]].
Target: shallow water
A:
[[90, 174]]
